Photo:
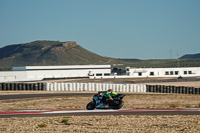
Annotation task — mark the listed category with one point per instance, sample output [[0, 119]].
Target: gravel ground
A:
[[80, 102], [115, 124], [121, 123]]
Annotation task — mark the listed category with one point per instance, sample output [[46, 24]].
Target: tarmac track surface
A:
[[22, 96], [49, 113]]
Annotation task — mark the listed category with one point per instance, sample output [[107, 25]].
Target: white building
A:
[[30, 73], [163, 72]]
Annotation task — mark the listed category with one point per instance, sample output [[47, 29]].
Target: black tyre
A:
[[90, 106], [116, 104]]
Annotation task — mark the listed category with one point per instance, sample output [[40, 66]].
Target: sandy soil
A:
[[129, 124], [131, 100], [113, 124]]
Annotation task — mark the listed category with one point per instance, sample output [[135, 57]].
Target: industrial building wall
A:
[[30, 73], [64, 73], [7, 76], [165, 72]]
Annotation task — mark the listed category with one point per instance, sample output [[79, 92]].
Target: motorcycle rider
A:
[[107, 97], [109, 94]]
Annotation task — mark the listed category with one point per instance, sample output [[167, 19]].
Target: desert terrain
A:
[[110, 123]]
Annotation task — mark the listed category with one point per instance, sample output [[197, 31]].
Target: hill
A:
[[50, 53], [70, 53], [191, 56]]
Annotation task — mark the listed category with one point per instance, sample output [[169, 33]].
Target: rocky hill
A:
[[191, 56], [70, 53], [50, 53]]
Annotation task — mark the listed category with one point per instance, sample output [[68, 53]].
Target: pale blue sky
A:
[[143, 29]]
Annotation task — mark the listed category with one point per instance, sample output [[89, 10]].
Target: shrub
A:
[[187, 105], [42, 125], [173, 105], [65, 121]]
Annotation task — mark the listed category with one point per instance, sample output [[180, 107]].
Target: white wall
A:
[[63, 73], [7, 76], [41, 72]]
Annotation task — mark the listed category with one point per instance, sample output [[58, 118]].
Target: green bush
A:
[[65, 121], [42, 125], [173, 105]]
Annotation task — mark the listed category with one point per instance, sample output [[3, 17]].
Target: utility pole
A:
[[178, 60]]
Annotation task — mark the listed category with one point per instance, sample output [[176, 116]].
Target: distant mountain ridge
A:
[[191, 56], [50, 53], [45, 53]]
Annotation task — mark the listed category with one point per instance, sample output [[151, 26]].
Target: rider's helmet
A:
[[110, 90]]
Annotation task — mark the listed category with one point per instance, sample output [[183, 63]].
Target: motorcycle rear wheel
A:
[[117, 104]]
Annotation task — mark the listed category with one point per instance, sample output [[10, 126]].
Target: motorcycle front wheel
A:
[[90, 106]]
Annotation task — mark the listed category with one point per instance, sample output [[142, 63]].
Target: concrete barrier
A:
[[172, 89], [97, 87], [94, 87]]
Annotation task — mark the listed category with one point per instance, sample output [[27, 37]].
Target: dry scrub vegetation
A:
[[121, 123], [79, 102]]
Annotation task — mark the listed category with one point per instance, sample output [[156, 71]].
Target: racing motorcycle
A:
[[101, 102]]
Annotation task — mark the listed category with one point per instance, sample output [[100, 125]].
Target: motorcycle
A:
[[101, 102]]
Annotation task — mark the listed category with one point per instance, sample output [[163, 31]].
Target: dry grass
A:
[[162, 101], [126, 124], [132, 100]]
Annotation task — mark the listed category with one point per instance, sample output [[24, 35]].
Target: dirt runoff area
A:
[[94, 124], [118, 123], [131, 100]]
